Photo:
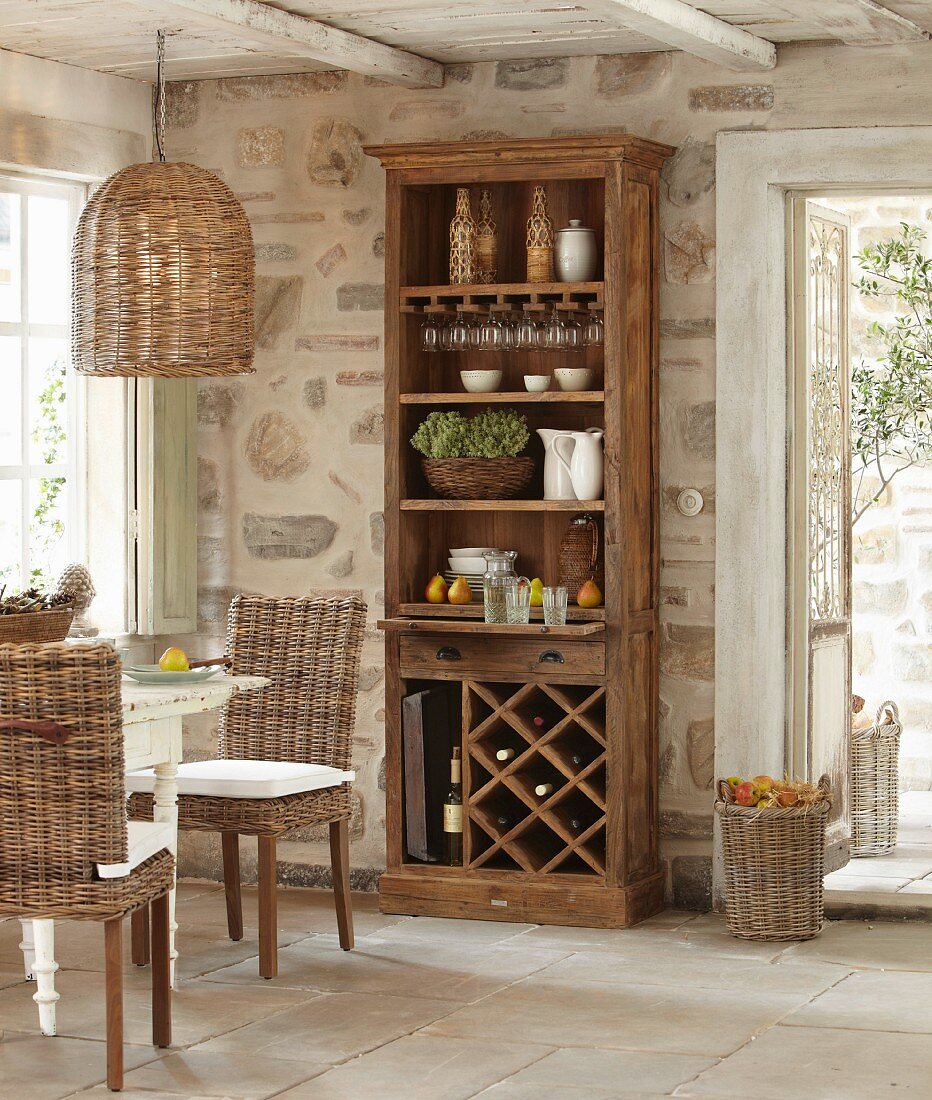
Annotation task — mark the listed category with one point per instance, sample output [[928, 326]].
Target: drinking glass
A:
[[525, 338], [594, 335], [572, 334], [554, 333], [555, 606], [446, 336], [459, 334], [491, 334], [518, 603], [430, 334]]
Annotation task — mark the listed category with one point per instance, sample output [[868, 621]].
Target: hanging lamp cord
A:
[[159, 105]]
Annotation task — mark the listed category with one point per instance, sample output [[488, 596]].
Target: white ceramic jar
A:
[[575, 255]]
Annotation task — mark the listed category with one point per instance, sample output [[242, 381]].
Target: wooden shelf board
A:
[[491, 290], [502, 505], [591, 397], [475, 611], [474, 626]]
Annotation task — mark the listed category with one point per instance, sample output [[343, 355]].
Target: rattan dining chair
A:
[[285, 752], [66, 849]]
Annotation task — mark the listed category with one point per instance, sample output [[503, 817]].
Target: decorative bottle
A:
[[539, 240], [462, 241], [486, 241], [453, 814]]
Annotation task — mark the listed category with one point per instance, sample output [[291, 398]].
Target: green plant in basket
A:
[[495, 433]]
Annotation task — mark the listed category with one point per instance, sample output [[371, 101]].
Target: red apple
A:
[[745, 795], [763, 783]]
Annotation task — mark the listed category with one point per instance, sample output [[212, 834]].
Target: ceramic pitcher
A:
[[558, 449], [573, 464]]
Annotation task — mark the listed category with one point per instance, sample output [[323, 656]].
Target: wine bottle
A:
[[576, 825], [579, 759], [505, 754], [453, 814], [543, 789], [503, 821], [538, 721]]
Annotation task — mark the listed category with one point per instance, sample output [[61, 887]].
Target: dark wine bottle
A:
[[580, 759], [503, 821], [543, 790], [505, 755], [453, 814], [538, 721]]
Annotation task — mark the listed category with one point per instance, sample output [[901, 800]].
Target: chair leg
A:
[[113, 962], [161, 974], [139, 929], [268, 909], [231, 884], [44, 967], [339, 863]]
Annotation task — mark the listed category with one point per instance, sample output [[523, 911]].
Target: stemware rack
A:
[[586, 850]]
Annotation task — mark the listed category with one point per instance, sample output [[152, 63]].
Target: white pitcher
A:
[[587, 465], [558, 450]]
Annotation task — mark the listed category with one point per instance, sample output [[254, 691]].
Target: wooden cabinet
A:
[[577, 705]]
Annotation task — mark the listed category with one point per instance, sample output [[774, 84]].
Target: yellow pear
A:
[[460, 592], [589, 595], [436, 590], [537, 592], [174, 660]]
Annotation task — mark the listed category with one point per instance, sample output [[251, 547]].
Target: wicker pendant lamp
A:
[[163, 272]]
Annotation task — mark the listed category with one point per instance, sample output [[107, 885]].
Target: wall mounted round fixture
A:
[[690, 502]]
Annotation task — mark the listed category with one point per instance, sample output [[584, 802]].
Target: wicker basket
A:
[[478, 478], [774, 864], [36, 626], [875, 803]]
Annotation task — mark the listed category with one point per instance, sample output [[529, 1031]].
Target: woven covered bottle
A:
[[462, 241], [539, 240], [580, 558], [486, 241]]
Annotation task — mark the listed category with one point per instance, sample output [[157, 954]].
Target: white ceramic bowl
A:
[[481, 381], [466, 565], [471, 552], [573, 379], [536, 383]]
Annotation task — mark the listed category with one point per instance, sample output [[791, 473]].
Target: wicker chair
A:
[[66, 850], [285, 751]]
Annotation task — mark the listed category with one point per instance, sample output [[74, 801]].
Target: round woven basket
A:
[[36, 626], [875, 800], [163, 271], [774, 865], [478, 478]]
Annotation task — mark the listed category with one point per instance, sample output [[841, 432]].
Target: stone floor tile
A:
[[195, 1072], [873, 1001], [33, 1067], [709, 931], [918, 886], [517, 1090], [462, 932], [865, 884], [420, 1067], [428, 968], [878, 945], [330, 1028], [887, 867], [667, 924], [629, 1016], [823, 1063]]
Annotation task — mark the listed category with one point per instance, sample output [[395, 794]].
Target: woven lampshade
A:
[[163, 277]]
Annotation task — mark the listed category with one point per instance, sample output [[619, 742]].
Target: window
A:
[[41, 500]]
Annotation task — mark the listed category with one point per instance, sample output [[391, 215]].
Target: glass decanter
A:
[[499, 576]]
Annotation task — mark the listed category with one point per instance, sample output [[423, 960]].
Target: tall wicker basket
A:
[[774, 864], [875, 801]]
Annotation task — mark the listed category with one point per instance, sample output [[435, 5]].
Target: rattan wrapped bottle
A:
[[580, 558], [486, 241], [539, 240], [462, 240]]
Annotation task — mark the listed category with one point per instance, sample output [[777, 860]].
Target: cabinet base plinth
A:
[[524, 902]]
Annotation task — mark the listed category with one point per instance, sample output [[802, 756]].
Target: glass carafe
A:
[[499, 576]]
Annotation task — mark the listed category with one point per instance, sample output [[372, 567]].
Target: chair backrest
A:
[[62, 797], [310, 649]]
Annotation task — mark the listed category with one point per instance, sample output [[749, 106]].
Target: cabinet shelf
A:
[[476, 626], [502, 505], [585, 397], [475, 611]]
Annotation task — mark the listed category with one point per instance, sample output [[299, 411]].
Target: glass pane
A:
[[48, 541], [48, 417], [11, 509], [11, 418], [49, 247], [10, 292]]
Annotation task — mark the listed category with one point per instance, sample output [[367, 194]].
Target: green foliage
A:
[[46, 528], [891, 407], [495, 433]]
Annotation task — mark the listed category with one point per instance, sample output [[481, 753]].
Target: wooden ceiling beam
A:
[[297, 36], [856, 22], [686, 28]]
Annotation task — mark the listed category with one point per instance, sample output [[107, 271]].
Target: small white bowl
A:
[[573, 379], [481, 381], [536, 383], [471, 552], [467, 565]]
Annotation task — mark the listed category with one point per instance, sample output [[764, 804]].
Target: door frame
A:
[[754, 173]]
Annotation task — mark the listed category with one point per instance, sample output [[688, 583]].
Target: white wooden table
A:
[[152, 731]]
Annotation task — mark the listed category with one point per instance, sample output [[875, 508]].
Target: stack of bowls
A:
[[468, 562]]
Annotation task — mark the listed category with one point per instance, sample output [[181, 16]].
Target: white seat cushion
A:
[[145, 838], [244, 778]]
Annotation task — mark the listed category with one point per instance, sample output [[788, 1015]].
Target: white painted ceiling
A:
[[117, 36]]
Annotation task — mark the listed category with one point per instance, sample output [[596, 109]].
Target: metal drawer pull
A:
[[551, 656], [448, 653]]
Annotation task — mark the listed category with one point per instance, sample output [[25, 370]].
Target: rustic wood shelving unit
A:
[[577, 705]]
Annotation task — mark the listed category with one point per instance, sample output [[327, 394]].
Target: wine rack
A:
[[557, 734]]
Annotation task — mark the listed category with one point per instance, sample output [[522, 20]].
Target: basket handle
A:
[[53, 732], [892, 710], [826, 785], [725, 792]]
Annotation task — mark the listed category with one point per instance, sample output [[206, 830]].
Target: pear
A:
[[174, 660], [436, 590], [589, 595], [537, 592], [460, 592]]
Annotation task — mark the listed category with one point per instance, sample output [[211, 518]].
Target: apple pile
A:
[[765, 792]]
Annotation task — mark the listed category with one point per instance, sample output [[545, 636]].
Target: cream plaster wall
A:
[[302, 437]]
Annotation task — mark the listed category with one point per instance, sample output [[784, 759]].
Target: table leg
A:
[[28, 948], [165, 808], [44, 969]]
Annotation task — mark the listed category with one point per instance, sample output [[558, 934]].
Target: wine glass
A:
[[525, 334], [554, 333], [572, 334], [594, 335], [491, 334], [446, 335], [430, 334], [459, 334]]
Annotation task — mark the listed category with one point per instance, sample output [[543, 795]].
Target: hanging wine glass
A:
[[446, 335], [554, 334], [459, 334], [430, 334], [572, 334], [491, 336], [475, 335], [594, 335], [525, 337]]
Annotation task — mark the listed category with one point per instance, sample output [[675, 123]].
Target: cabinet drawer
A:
[[462, 656]]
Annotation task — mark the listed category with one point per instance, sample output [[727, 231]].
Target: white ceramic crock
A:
[[575, 255]]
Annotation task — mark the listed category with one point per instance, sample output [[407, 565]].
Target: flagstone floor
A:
[[430, 1009]]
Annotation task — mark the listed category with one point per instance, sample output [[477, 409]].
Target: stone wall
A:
[[291, 459], [892, 543]]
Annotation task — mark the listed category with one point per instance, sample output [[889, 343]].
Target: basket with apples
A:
[[766, 793]]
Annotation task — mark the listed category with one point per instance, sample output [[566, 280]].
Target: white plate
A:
[[152, 674], [471, 551]]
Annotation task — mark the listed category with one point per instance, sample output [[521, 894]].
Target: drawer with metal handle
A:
[[464, 656]]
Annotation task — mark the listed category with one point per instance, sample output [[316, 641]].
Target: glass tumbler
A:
[[555, 606], [518, 603]]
